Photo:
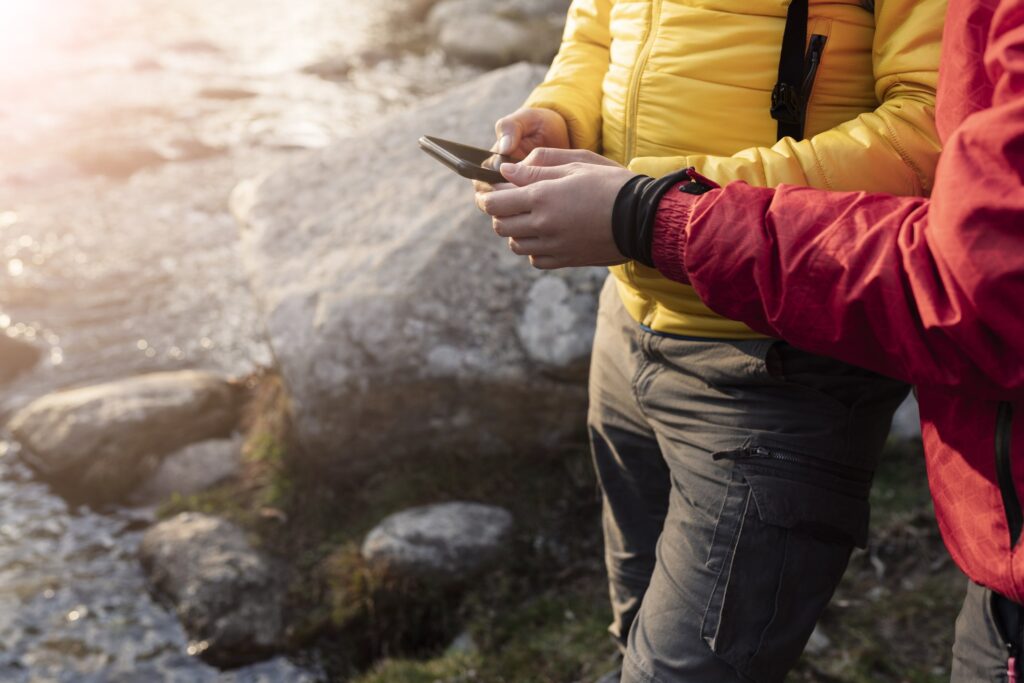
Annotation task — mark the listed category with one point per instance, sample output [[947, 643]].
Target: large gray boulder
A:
[[491, 34], [445, 543], [99, 441], [224, 592], [401, 324]]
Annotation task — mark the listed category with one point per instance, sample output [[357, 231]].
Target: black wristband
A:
[[624, 216], [634, 211]]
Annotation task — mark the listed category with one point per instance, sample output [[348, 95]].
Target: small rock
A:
[[113, 157], [16, 357], [186, 149], [98, 442], [226, 93], [193, 469], [877, 593], [556, 309], [446, 543], [818, 642], [224, 592], [332, 69], [906, 422], [464, 644]]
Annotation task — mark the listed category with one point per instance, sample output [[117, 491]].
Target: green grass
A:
[[551, 637]]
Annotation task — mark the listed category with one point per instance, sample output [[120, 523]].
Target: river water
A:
[[115, 272]]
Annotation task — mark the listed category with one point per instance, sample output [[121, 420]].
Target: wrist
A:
[[625, 216], [670, 225]]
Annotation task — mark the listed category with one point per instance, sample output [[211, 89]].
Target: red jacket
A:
[[931, 292]]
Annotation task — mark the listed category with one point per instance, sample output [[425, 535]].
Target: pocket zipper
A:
[[844, 471], [1004, 472], [814, 52]]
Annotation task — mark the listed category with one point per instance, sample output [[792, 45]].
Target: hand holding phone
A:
[[469, 162], [528, 128]]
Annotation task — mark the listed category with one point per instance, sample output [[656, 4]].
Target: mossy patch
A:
[[555, 636]]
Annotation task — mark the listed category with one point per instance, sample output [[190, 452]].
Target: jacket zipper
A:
[[1004, 471], [629, 148], [811, 461]]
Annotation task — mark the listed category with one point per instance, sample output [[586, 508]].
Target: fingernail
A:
[[505, 144], [509, 169]]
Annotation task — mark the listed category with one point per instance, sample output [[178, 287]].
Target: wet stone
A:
[[224, 592], [443, 543], [96, 443], [193, 469]]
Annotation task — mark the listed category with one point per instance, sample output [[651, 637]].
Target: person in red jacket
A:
[[927, 291]]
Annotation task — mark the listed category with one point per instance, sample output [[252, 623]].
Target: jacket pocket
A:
[[780, 567]]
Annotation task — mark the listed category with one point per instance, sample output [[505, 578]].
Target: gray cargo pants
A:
[[984, 638], [735, 477]]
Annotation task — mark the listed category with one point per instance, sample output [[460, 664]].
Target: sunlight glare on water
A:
[[30, 30]]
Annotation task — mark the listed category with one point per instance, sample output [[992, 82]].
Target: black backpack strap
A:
[[788, 102]]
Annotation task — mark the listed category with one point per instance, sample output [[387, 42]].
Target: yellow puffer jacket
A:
[[659, 85]]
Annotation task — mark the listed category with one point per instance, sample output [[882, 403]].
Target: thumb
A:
[[522, 174], [509, 131]]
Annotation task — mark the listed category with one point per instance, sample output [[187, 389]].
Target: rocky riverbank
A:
[[295, 397]]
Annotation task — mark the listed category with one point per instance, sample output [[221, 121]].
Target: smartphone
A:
[[469, 162]]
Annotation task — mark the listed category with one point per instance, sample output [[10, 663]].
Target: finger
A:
[[552, 156], [541, 262], [509, 131], [504, 202], [480, 187], [516, 227], [520, 174], [527, 246]]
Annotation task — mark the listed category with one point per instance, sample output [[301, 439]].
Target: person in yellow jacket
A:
[[734, 468]]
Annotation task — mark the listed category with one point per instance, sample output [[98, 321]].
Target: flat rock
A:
[[100, 441], [16, 357], [447, 542], [401, 324], [193, 469], [224, 592]]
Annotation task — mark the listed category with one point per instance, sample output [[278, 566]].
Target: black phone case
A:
[[463, 159]]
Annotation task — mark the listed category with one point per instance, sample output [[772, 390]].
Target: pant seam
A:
[[629, 661], [724, 572]]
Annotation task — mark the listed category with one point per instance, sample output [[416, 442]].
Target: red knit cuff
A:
[[668, 243]]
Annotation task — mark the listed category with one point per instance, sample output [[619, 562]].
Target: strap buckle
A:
[[786, 104]]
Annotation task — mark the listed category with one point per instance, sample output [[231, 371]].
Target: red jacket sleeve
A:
[[929, 292]]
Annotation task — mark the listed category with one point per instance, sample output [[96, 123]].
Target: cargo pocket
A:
[[797, 525]]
